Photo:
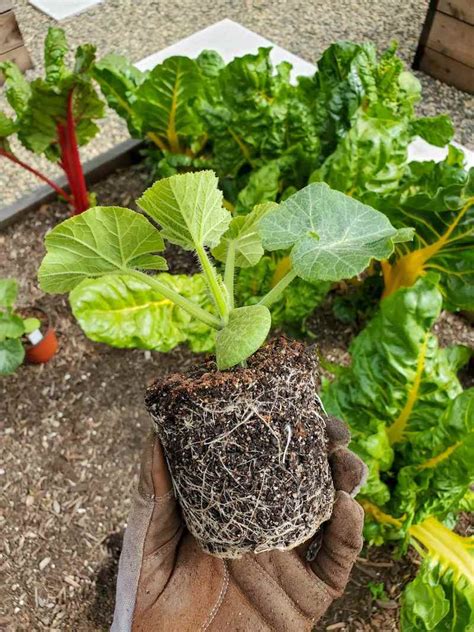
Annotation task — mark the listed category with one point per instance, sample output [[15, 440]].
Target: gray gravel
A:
[[138, 29]]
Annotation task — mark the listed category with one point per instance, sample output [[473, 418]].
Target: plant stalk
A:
[[213, 282], [70, 159], [275, 293], [188, 306], [229, 273], [38, 174]]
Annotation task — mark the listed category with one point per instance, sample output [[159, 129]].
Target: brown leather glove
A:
[[167, 583]]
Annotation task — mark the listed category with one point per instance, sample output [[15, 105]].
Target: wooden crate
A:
[[12, 47], [446, 48]]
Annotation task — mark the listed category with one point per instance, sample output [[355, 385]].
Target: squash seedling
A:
[[54, 115], [253, 435]]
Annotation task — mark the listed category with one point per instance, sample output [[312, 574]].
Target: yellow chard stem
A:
[[396, 431], [406, 271]]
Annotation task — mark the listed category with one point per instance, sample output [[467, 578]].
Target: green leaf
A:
[[244, 237], [8, 292], [31, 324], [424, 603], [7, 126], [246, 331], [125, 312], [55, 51], [18, 89], [11, 356], [119, 79], [11, 326], [332, 236], [164, 101], [436, 130], [102, 240], [84, 58], [189, 209]]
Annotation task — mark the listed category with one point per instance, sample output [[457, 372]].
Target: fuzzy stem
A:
[[213, 283], [229, 273], [181, 301], [275, 293], [38, 174]]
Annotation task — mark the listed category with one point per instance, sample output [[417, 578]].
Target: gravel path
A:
[[138, 29]]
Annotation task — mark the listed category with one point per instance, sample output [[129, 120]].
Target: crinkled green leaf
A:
[[11, 356], [126, 312], [243, 236], [189, 209], [400, 378], [436, 130], [332, 236], [164, 101], [18, 89], [55, 51], [7, 126], [119, 79], [99, 241], [245, 332], [8, 292]]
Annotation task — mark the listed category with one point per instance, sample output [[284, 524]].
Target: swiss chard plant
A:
[[12, 328], [54, 115], [412, 423], [438, 200], [329, 236]]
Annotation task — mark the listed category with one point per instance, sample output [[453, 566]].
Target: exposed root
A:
[[247, 451]]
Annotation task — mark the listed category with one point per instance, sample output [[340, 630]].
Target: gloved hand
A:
[[166, 583]]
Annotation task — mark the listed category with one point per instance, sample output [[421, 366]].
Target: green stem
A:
[[181, 301], [275, 293], [213, 283], [229, 273]]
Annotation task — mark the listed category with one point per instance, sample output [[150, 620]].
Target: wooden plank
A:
[[20, 56], [461, 9], [448, 70], [453, 38], [10, 36], [5, 5], [122, 155]]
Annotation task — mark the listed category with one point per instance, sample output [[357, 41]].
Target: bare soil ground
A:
[[72, 433]]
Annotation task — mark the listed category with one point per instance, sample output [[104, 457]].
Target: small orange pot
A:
[[44, 349]]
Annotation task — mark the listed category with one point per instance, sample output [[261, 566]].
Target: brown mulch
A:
[[72, 432]]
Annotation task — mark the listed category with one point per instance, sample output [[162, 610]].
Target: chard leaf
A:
[[436, 130], [119, 79], [99, 241], [18, 89], [243, 236], [55, 51], [7, 126], [332, 236], [246, 331], [394, 397], [189, 209], [163, 101], [8, 292], [11, 355], [126, 312]]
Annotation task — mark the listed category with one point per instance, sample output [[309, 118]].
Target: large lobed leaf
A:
[[189, 209], [100, 241], [331, 236]]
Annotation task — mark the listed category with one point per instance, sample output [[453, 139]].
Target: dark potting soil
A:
[[71, 442], [247, 449]]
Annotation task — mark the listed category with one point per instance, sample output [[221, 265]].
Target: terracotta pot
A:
[[43, 350], [41, 344]]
